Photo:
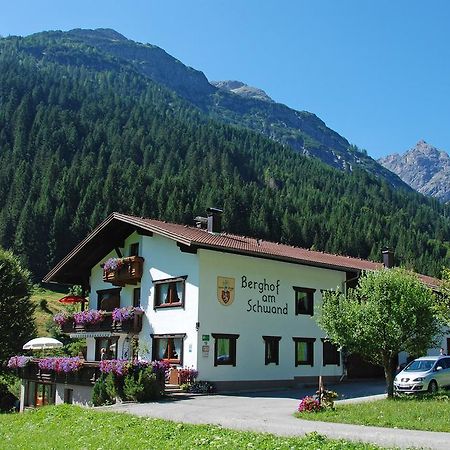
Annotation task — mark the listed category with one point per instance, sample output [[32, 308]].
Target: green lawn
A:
[[45, 315], [430, 413], [71, 427]]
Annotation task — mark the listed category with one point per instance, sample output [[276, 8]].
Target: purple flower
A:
[[61, 318], [119, 367], [61, 364], [125, 313], [88, 317], [16, 362], [112, 265]]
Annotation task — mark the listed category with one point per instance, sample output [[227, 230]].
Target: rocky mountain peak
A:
[[423, 167], [242, 89]]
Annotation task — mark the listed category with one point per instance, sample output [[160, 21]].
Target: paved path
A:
[[272, 413]]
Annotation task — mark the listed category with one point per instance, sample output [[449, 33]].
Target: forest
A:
[[82, 135]]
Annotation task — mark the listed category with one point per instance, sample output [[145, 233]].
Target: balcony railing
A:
[[87, 375], [130, 271], [131, 326]]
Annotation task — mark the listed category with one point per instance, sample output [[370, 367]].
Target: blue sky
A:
[[377, 72]]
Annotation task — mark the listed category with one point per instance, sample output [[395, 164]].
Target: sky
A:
[[377, 72]]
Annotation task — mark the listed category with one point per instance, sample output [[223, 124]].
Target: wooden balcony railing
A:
[[129, 273], [132, 326], [86, 376]]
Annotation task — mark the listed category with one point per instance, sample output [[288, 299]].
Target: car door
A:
[[446, 372]]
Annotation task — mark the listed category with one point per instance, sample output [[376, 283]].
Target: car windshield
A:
[[420, 365]]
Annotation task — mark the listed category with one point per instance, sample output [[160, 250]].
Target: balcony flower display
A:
[[125, 313], [118, 367], [113, 265], [62, 318], [88, 317], [61, 364], [18, 361]]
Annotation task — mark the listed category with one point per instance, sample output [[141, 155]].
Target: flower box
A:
[[122, 271]]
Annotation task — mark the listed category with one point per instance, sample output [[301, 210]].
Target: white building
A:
[[239, 310]]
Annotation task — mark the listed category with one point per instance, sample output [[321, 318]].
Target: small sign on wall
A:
[[205, 350], [205, 337]]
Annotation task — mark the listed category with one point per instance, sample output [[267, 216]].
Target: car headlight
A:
[[418, 379]]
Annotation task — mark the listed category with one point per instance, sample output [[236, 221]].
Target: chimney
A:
[[388, 258], [214, 220]]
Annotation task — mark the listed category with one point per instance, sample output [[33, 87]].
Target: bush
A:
[[309, 404], [7, 399], [199, 387], [101, 393], [132, 389]]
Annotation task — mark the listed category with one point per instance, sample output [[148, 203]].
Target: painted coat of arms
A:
[[225, 290]]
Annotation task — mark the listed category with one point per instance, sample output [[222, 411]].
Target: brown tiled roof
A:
[[197, 237], [120, 225]]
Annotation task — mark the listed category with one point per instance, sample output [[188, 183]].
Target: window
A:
[[134, 249], [304, 351], [106, 347], [68, 396], [136, 297], [44, 394], [225, 349], [108, 299], [168, 348], [331, 354], [271, 353], [304, 301], [169, 293]]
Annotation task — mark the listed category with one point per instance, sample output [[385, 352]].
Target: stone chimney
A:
[[388, 258], [214, 220]]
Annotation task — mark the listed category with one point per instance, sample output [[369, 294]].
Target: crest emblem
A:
[[225, 290]]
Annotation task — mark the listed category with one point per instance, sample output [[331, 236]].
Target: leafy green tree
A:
[[16, 310], [389, 311], [443, 298]]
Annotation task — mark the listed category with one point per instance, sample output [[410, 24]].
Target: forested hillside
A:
[[82, 134]]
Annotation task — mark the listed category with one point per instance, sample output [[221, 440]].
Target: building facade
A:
[[240, 310]]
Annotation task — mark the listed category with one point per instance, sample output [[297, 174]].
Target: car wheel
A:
[[432, 387]]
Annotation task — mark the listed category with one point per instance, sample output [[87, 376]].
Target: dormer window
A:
[[169, 292]]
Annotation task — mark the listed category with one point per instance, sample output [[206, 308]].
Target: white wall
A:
[[251, 326], [82, 395], [162, 259]]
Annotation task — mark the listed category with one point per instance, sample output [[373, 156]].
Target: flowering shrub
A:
[[61, 364], [88, 317], [309, 404], [125, 313], [199, 387], [62, 317], [161, 368], [16, 362], [112, 265], [118, 367], [187, 375]]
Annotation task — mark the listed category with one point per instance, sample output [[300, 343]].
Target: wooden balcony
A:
[[130, 272], [132, 326], [86, 376]]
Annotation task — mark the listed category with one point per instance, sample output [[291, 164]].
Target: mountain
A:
[[424, 168], [231, 102], [85, 131]]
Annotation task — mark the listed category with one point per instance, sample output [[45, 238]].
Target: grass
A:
[[428, 413], [72, 427], [44, 315]]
